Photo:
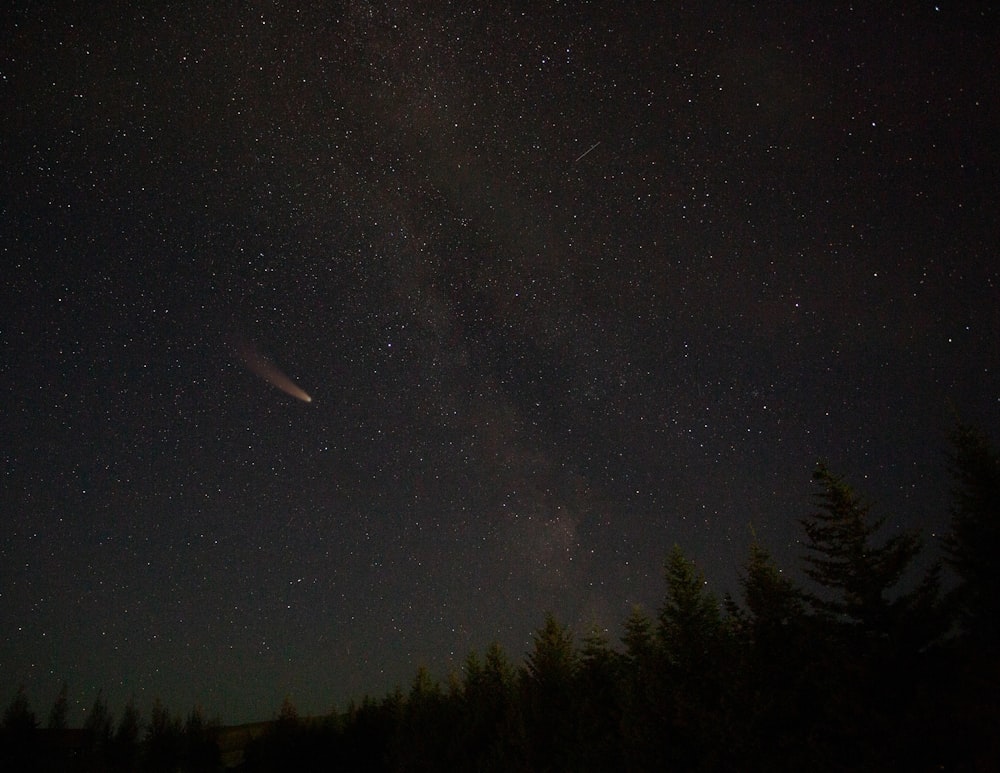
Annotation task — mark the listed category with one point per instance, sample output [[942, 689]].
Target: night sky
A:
[[567, 283]]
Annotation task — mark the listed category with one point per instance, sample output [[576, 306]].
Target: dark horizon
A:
[[931, 552], [873, 665]]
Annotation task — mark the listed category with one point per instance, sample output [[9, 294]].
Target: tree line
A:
[[867, 667], [163, 743]]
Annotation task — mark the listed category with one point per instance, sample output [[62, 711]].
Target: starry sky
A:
[[567, 283]]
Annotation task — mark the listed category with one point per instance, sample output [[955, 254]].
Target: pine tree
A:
[[972, 550], [163, 739], [492, 732], [60, 709], [18, 718], [97, 730], [690, 622], [863, 676], [773, 601], [548, 677], [552, 662], [775, 662], [639, 639], [422, 735], [643, 687], [288, 717], [855, 574], [17, 734], [424, 687], [693, 639], [597, 659], [973, 543], [201, 747], [123, 750], [599, 705]]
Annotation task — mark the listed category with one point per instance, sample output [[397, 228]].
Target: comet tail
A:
[[270, 372]]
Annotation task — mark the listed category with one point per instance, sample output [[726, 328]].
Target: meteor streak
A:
[[586, 152], [270, 372]]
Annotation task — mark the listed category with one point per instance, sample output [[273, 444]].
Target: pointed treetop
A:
[[843, 558]]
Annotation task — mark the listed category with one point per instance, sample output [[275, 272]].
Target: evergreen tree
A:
[[56, 754], [18, 718], [599, 705], [491, 732], [421, 742], [639, 639], [163, 739], [644, 683], [97, 732], [548, 676], [17, 734], [288, 720], [123, 749], [972, 547], [369, 732], [692, 639], [424, 687], [201, 747], [293, 743], [552, 662], [973, 543], [498, 671], [855, 574], [60, 709], [863, 677], [774, 663], [773, 601], [690, 622]]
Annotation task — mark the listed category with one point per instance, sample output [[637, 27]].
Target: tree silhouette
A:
[[856, 575], [866, 650], [973, 543], [598, 705], [972, 547], [423, 739], [773, 679], [639, 639], [772, 599], [60, 709], [644, 683], [17, 734], [854, 674], [123, 749], [97, 734], [491, 727], [18, 718], [690, 623], [369, 731], [548, 679], [201, 747], [163, 739], [692, 638]]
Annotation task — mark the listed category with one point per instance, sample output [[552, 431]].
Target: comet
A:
[[271, 373]]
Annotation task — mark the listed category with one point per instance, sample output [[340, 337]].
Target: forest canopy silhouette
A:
[[868, 665]]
